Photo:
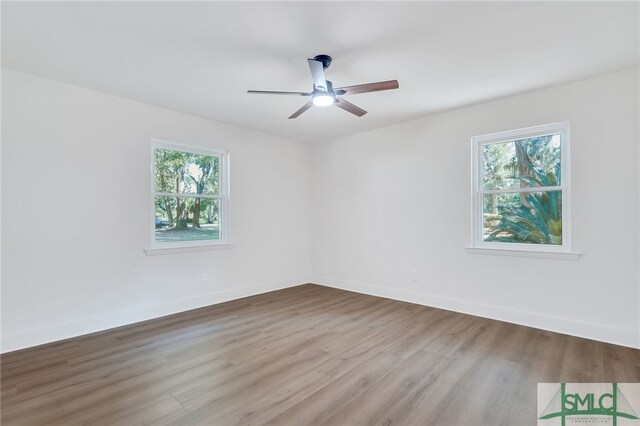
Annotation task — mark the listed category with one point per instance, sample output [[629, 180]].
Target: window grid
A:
[[479, 192], [219, 198]]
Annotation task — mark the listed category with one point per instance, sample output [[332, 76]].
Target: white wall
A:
[[398, 199], [75, 205], [360, 211]]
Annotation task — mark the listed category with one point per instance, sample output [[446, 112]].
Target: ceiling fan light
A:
[[323, 100]]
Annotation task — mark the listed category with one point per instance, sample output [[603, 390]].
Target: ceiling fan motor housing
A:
[[329, 88]]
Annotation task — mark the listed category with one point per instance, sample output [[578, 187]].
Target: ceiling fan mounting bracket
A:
[[325, 59]]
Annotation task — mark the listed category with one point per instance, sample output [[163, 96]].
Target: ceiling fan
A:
[[324, 94]]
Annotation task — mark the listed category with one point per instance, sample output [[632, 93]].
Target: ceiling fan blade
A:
[[301, 110], [317, 72], [271, 92], [370, 87], [348, 106]]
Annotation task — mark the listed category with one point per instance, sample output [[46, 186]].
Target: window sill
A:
[[525, 253], [186, 249]]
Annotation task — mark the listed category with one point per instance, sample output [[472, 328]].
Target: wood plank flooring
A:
[[307, 355]]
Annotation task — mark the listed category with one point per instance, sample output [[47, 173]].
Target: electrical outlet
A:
[[204, 278], [414, 275]]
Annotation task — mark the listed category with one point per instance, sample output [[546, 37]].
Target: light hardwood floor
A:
[[304, 355]]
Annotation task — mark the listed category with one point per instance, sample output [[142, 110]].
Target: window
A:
[[190, 196], [521, 187]]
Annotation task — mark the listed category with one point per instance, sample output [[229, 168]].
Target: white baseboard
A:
[[588, 330], [67, 330], [617, 336]]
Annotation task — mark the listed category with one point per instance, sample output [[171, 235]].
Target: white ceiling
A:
[[201, 57]]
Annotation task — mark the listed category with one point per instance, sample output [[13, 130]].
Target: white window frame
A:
[[223, 195], [478, 243]]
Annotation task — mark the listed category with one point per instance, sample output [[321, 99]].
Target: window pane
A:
[[185, 172], [187, 219], [530, 218], [521, 164]]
